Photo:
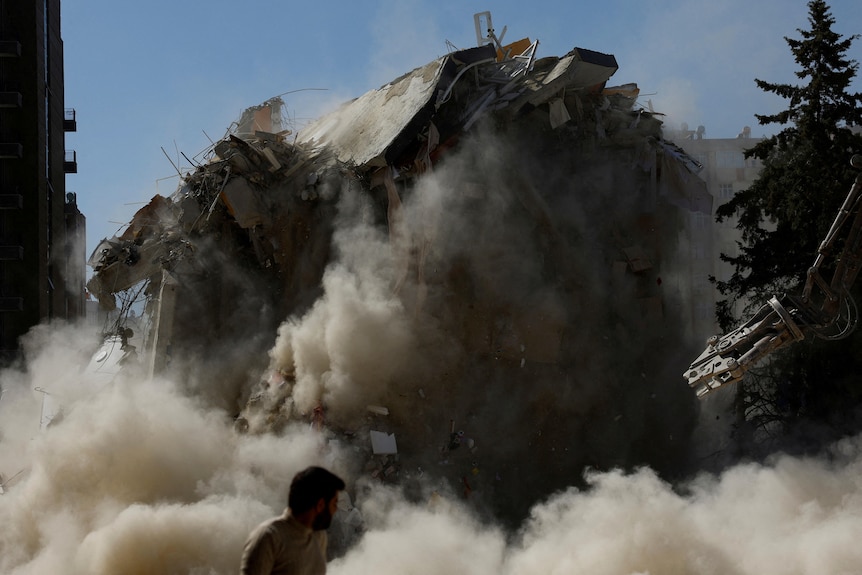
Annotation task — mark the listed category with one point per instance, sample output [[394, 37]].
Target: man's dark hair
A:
[[310, 486]]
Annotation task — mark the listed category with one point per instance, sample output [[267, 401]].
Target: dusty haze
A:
[[139, 478], [149, 477], [518, 231]]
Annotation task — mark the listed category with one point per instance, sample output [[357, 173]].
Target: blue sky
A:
[[161, 74]]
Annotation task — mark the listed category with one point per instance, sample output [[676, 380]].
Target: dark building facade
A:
[[42, 232]]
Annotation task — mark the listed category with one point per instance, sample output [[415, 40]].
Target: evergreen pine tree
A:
[[784, 214]]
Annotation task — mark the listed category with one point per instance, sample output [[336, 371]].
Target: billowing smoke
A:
[[140, 478], [503, 316], [133, 477], [356, 339], [483, 306], [791, 515]]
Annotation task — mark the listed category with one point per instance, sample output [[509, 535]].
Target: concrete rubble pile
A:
[[545, 339]]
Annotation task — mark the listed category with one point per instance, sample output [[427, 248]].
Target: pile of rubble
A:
[[557, 355]]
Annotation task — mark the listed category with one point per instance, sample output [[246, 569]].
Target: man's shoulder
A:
[[269, 527]]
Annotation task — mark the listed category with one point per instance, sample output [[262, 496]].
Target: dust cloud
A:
[[485, 301], [356, 339], [140, 478], [789, 516], [135, 477]]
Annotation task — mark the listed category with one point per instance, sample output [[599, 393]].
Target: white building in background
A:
[[726, 171]]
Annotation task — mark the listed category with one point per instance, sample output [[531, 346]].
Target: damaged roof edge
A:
[[373, 129], [580, 68]]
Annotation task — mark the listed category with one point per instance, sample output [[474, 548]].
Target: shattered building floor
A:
[[469, 275]]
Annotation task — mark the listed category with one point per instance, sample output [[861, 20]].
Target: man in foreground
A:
[[294, 543]]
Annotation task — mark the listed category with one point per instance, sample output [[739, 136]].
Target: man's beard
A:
[[322, 521]]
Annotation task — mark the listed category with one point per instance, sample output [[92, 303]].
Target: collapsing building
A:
[[467, 273]]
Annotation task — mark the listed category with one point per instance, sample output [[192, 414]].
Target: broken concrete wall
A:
[[449, 247]]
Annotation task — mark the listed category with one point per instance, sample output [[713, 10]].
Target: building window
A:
[[701, 221], [47, 135], [725, 192], [729, 159]]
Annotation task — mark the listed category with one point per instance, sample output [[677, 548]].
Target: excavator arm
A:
[[824, 309]]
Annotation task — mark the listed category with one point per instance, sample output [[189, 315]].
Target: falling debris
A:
[[383, 443], [492, 235]]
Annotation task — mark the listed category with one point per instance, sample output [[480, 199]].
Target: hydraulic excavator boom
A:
[[824, 309]]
